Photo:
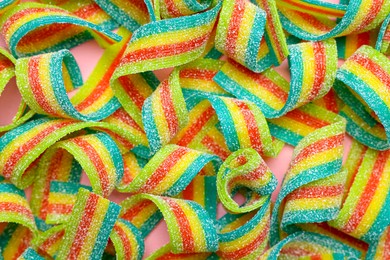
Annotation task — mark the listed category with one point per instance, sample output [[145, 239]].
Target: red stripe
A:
[[319, 146], [363, 39], [163, 169], [36, 85], [172, 9], [125, 241], [316, 192], [135, 210], [319, 69], [214, 147], [248, 249], [374, 68], [15, 208], [302, 117], [165, 50], [386, 37], [54, 208], [184, 226], [254, 175], [5, 63], [234, 27], [368, 192], [196, 126], [168, 106], [83, 227], [262, 81], [104, 82], [24, 243], [331, 101], [127, 177], [251, 125], [132, 91], [123, 116], [188, 192], [97, 162], [195, 73], [30, 145]]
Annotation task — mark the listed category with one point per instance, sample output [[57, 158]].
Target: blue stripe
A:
[[67, 187], [255, 37], [284, 134], [10, 188], [150, 126]]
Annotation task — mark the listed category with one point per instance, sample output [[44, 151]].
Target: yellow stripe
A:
[[313, 203], [144, 215], [223, 25], [160, 118], [292, 125], [100, 102], [61, 198], [244, 32], [308, 73]]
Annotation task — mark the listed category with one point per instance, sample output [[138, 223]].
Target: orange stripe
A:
[[316, 192]]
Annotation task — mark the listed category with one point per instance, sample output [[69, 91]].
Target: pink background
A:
[[87, 56]]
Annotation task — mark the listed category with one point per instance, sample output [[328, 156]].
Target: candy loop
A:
[[365, 206], [240, 34], [190, 228], [245, 169], [317, 156], [21, 23], [362, 83], [310, 245], [244, 235], [358, 17], [89, 227], [127, 240], [36, 136], [169, 171], [313, 69]]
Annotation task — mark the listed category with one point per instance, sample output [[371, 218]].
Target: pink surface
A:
[[87, 56]]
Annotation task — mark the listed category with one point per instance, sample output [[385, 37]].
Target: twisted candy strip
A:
[[127, 240], [35, 137], [240, 34], [61, 199], [245, 169], [89, 227], [87, 10], [156, 46], [383, 40], [316, 157], [131, 15], [169, 171], [365, 207], [28, 29], [44, 81], [7, 72], [362, 83], [48, 242], [312, 245], [313, 69], [190, 228], [17, 225], [243, 236], [164, 113], [356, 17]]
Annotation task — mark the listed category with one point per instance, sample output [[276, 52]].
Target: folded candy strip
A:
[[180, 145]]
